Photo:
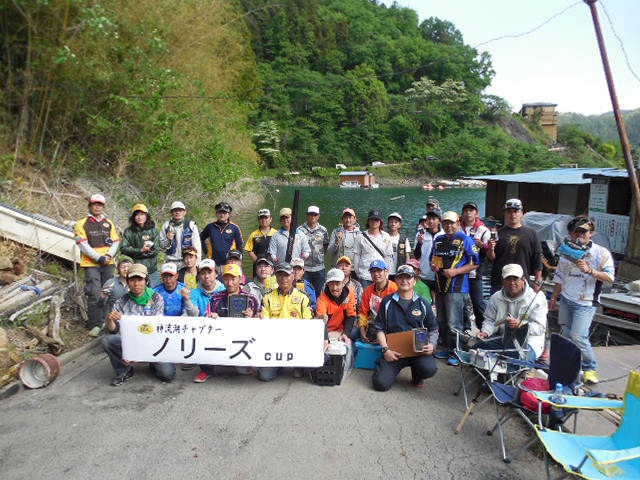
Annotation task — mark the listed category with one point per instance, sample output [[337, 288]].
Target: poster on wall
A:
[[598, 195], [612, 231]]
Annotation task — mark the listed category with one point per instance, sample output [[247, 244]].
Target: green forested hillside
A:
[[151, 91], [176, 95], [604, 126], [353, 81]]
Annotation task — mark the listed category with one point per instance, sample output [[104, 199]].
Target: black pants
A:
[[385, 373]]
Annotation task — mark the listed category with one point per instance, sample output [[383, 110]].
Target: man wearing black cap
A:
[[264, 281], [220, 236], [480, 234], [516, 244], [424, 243], [400, 312], [373, 244]]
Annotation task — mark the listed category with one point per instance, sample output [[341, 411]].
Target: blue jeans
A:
[[477, 299], [316, 279], [267, 374], [112, 345], [450, 314], [575, 321]]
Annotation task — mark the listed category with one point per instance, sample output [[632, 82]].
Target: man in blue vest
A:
[[175, 294]]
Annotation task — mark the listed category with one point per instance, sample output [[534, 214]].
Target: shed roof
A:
[[563, 176], [343, 174]]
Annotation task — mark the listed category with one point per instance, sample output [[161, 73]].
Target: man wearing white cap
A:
[[98, 240], [277, 250], [512, 307], [318, 240], [178, 233], [175, 294], [258, 241], [399, 243], [344, 238], [453, 256], [516, 244]]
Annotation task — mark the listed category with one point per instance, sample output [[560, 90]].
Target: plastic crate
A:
[[330, 374], [367, 355]]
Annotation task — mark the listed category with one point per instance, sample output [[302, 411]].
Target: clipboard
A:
[[402, 342]]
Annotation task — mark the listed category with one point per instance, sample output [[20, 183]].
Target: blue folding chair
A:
[[514, 343], [600, 457], [564, 368]]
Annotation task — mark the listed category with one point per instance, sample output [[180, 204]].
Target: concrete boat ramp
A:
[[237, 427]]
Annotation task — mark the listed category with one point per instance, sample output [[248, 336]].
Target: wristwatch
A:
[[384, 350]]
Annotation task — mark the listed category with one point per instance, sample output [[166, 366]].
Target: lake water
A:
[[333, 200]]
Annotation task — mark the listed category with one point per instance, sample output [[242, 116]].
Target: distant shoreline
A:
[[301, 181]]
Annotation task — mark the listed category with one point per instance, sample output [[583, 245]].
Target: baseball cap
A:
[[189, 251], [375, 214], [412, 262], [285, 212], [234, 254], [264, 212], [124, 259], [297, 262], [264, 260], [344, 258], [450, 216], [513, 203], [433, 201], [178, 206], [473, 205], [580, 223], [436, 212], [395, 215], [378, 264], [97, 198], [405, 270], [335, 275], [232, 269], [512, 270], [349, 211], [284, 267], [313, 209], [169, 268], [223, 207], [207, 263], [140, 207], [137, 270]]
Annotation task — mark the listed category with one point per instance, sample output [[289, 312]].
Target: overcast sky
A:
[[557, 63]]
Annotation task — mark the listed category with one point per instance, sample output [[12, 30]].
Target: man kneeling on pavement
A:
[[403, 311], [141, 300]]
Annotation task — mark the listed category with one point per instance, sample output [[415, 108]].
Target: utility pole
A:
[[622, 132]]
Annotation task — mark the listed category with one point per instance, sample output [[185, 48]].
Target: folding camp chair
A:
[[488, 365], [596, 457], [564, 368]]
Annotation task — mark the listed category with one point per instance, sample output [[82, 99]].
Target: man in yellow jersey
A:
[[286, 301]]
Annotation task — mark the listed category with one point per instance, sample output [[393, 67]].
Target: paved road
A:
[[236, 427]]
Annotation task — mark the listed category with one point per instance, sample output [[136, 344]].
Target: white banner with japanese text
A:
[[249, 342]]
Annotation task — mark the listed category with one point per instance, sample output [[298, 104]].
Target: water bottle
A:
[[556, 415], [558, 396]]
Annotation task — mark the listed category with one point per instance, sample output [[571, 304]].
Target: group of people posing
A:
[[379, 283]]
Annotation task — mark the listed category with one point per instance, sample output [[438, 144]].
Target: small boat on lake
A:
[[398, 197], [350, 184]]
